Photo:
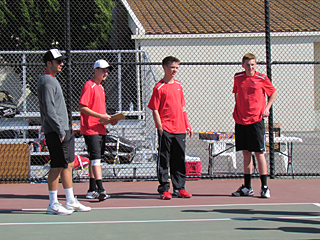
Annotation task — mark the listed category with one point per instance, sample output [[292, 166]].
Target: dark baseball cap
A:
[[53, 54]]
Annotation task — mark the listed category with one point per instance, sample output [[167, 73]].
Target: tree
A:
[[91, 23], [40, 24], [25, 25]]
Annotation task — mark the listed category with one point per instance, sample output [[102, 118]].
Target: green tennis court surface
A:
[[255, 221]]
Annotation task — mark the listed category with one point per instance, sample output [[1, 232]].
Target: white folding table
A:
[[221, 147]]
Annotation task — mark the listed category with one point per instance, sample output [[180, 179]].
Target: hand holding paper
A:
[[113, 120]]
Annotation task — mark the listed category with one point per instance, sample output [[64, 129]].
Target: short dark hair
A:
[[248, 56], [168, 60]]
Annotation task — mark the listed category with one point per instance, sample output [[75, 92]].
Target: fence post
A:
[[119, 82], [24, 83], [68, 63], [268, 59]]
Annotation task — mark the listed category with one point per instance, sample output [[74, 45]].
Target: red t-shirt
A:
[[251, 97], [168, 99], [93, 97]]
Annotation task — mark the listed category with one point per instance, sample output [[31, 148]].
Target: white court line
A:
[[317, 204], [179, 206], [168, 220], [155, 221]]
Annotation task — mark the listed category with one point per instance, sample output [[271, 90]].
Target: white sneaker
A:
[[265, 192], [92, 195], [58, 209], [77, 206]]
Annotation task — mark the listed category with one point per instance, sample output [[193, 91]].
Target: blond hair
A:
[[248, 56]]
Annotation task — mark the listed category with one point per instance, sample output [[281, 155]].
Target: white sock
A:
[[53, 197], [69, 195]]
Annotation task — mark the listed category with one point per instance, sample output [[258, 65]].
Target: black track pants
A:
[[171, 153]]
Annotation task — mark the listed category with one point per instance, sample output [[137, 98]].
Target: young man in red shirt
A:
[[167, 104], [250, 89], [94, 117]]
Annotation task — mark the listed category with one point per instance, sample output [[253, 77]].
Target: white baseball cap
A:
[[101, 64]]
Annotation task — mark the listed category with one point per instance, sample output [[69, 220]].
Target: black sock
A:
[[263, 179], [99, 184], [92, 185], [247, 181]]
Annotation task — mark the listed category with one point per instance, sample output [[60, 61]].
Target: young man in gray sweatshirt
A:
[[59, 136]]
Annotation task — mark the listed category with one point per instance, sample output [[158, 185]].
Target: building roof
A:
[[225, 16]]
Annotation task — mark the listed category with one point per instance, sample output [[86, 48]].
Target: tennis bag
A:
[[7, 107]]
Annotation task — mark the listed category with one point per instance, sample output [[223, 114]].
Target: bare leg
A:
[[262, 163], [95, 172], [53, 178], [91, 175], [247, 162], [246, 189], [66, 176], [263, 170]]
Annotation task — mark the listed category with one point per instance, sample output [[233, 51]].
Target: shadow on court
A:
[[254, 212], [19, 211], [25, 196], [286, 229], [135, 195]]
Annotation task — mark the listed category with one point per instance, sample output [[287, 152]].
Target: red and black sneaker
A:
[[166, 195], [181, 193]]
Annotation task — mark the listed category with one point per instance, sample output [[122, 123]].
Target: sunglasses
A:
[[59, 61]]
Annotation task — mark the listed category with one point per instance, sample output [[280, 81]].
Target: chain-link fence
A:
[[206, 72], [131, 144]]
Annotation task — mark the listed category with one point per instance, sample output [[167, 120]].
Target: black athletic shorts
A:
[[251, 137], [61, 153], [96, 145]]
